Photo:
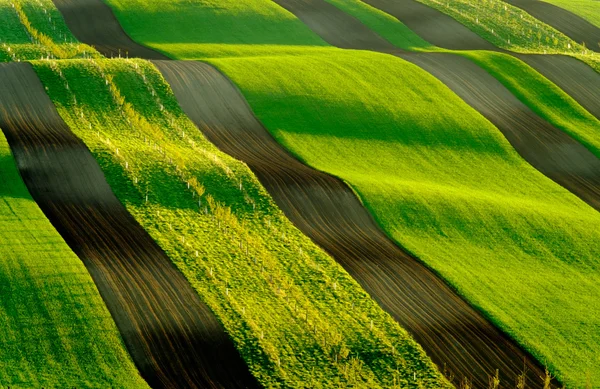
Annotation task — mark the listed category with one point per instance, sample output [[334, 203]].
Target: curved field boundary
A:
[[453, 333], [173, 338], [575, 77], [570, 24]]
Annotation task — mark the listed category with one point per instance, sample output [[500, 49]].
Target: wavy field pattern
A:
[[259, 90]]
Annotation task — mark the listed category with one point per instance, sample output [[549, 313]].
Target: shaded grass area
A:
[[56, 330], [588, 9], [35, 29], [296, 316]]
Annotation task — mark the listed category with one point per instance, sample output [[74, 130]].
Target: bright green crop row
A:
[[438, 177], [34, 29]]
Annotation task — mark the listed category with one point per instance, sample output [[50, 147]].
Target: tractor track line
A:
[[172, 336]]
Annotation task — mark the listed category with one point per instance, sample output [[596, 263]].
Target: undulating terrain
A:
[[300, 193]]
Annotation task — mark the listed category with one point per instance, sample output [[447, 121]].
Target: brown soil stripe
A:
[[576, 78], [570, 24], [109, 39], [173, 338]]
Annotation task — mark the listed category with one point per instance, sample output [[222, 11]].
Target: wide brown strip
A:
[[576, 78], [570, 24], [172, 336], [86, 20], [453, 333]]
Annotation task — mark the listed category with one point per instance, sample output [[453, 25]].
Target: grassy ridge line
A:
[[529, 86], [33, 29], [503, 236], [227, 29], [56, 330], [587, 9], [511, 28], [258, 271]]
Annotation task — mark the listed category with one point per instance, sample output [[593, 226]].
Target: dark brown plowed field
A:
[[573, 26], [173, 337], [86, 20]]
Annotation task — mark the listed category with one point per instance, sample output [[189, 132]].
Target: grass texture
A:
[[35, 29], [514, 243], [295, 315], [56, 330]]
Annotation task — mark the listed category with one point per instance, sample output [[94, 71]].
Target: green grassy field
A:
[[462, 200], [287, 305], [56, 330], [588, 9], [34, 29], [529, 86]]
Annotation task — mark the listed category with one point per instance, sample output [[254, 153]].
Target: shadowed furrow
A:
[[172, 336], [576, 78], [573, 26]]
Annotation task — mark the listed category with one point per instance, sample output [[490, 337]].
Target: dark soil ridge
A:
[[453, 333], [172, 336]]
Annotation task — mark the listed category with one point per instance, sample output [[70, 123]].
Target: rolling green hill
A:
[[56, 330], [529, 86], [459, 198]]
